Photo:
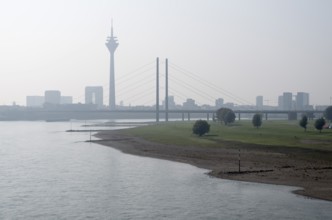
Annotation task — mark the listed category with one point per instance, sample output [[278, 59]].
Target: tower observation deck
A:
[[112, 44]]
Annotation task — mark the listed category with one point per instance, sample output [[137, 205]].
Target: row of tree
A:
[[224, 115], [227, 116], [319, 123]]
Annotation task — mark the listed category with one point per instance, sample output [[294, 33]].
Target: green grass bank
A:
[[271, 133]]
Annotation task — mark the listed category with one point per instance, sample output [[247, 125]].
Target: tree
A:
[[319, 124], [201, 127], [257, 120], [328, 113], [226, 115], [221, 113], [229, 117], [304, 122]]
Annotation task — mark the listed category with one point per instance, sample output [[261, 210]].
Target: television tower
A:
[[112, 44]]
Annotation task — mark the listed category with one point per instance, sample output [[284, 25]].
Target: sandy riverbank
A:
[[275, 165]]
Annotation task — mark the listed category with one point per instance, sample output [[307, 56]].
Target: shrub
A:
[[319, 124], [257, 120], [201, 127], [226, 115], [304, 122]]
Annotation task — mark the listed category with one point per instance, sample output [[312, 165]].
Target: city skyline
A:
[[249, 49], [94, 96]]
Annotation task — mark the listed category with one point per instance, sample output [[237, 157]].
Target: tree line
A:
[[227, 116]]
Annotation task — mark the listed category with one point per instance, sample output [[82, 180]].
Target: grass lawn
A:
[[272, 133]]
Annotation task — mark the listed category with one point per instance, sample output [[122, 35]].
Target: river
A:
[[47, 173]]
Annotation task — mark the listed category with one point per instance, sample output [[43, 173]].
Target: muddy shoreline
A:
[[298, 167]]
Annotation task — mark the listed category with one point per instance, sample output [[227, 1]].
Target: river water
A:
[[47, 173]]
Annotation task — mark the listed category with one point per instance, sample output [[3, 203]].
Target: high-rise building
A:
[[189, 104], [112, 44], [259, 102], [52, 97], [219, 102], [302, 101], [287, 99], [94, 95], [171, 102]]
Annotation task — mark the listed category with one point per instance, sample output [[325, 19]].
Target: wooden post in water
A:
[[239, 161]]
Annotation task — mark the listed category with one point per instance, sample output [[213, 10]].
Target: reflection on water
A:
[[47, 173]]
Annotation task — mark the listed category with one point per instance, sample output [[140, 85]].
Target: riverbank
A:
[[306, 168]]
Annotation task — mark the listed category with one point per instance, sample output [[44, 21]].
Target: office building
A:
[[189, 104], [302, 101], [52, 97], [219, 103], [94, 95], [259, 102], [287, 101], [35, 101]]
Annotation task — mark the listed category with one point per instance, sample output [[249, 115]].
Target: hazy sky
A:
[[246, 48]]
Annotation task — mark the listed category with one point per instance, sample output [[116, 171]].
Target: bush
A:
[[257, 120], [304, 122], [226, 115], [201, 127], [319, 124]]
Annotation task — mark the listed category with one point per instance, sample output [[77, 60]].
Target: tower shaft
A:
[[112, 44], [112, 102]]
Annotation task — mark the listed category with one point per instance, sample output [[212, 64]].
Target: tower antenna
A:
[[111, 27]]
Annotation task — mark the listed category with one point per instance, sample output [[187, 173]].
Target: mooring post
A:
[[239, 161]]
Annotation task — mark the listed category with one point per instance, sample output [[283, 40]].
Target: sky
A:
[[230, 49]]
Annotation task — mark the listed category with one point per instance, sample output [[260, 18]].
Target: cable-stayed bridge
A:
[[140, 92], [138, 87]]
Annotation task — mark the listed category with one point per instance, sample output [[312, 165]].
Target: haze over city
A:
[[166, 109], [248, 48]]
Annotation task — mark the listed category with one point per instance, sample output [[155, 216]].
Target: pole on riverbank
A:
[[239, 161], [166, 92], [157, 90]]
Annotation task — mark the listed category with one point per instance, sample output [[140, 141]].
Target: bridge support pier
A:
[[188, 116], [266, 116], [239, 116], [182, 116], [207, 116], [292, 116]]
